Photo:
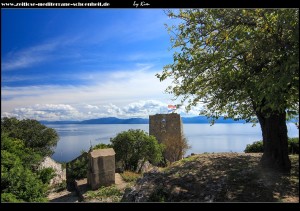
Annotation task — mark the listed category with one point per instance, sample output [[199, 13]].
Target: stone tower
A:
[[167, 128]]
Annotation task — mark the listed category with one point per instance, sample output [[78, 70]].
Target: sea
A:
[[233, 137]]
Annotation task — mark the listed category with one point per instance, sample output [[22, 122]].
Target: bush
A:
[[255, 147], [102, 146], [19, 179], [175, 149], [9, 197], [106, 193], [134, 145], [46, 174], [293, 146], [22, 185], [77, 169], [60, 186]]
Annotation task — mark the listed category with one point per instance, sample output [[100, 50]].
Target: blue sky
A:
[[75, 64]]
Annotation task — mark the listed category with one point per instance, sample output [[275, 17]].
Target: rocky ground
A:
[[219, 177], [214, 177]]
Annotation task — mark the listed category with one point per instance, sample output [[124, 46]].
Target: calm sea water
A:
[[201, 137]]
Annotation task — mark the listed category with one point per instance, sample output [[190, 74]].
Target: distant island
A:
[[114, 120]]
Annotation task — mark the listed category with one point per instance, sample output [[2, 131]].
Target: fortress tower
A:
[[167, 128]]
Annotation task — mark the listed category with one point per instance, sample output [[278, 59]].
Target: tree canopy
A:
[[35, 135], [24, 144], [134, 145], [21, 181], [235, 61], [240, 63]]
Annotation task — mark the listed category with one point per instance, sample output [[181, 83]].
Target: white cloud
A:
[[120, 93], [105, 95], [44, 112], [28, 57], [38, 53], [54, 112]]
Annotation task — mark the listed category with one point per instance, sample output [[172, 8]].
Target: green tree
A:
[[134, 145], [19, 181], [242, 63], [35, 135]]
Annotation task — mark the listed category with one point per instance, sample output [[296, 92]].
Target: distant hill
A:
[[114, 120]]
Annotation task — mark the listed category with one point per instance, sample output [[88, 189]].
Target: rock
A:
[[142, 168], [59, 171]]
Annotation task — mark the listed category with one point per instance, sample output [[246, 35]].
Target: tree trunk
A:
[[275, 142]]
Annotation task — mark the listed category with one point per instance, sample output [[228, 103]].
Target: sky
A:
[[77, 64]]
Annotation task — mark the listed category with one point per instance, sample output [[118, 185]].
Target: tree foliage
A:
[[241, 63], [35, 135], [24, 144], [134, 145], [236, 61], [78, 168], [20, 181]]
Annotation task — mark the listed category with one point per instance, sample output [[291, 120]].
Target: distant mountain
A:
[[114, 120], [59, 122]]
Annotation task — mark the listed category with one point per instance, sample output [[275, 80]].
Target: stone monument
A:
[[101, 169]]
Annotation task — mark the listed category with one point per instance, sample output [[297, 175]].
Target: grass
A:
[[105, 194], [129, 176]]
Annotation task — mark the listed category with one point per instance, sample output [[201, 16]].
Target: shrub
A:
[[19, 180], [106, 193], [77, 169], [102, 146], [293, 146], [134, 145], [60, 186], [174, 149], [9, 197], [255, 147], [46, 174]]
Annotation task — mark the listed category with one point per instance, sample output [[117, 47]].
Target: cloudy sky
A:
[[76, 64]]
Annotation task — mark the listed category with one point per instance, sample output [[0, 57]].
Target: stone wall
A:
[[167, 128]]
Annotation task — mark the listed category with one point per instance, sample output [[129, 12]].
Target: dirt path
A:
[[63, 196], [120, 183]]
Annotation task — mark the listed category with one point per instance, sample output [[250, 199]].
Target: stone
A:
[[60, 173], [101, 169], [167, 128]]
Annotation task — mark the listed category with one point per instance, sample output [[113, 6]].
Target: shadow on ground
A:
[[223, 177], [70, 197]]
